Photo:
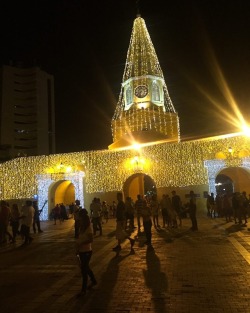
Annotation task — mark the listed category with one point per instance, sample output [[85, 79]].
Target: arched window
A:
[[155, 92], [129, 96]]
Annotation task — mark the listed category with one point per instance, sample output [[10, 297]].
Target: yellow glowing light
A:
[[136, 146], [143, 105], [68, 169], [246, 130]]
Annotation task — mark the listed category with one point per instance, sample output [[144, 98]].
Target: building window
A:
[[129, 96], [155, 92]]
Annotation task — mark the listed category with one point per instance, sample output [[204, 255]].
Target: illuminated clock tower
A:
[[144, 112]]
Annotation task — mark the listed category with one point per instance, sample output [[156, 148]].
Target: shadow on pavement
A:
[[99, 298], [235, 228], [156, 280]]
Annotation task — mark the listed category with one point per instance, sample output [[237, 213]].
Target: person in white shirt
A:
[[27, 217]]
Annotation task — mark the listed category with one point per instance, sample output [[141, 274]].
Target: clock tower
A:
[[144, 113]]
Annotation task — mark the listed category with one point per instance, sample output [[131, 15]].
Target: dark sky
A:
[[84, 45]]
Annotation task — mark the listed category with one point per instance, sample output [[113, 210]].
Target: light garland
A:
[[176, 164]]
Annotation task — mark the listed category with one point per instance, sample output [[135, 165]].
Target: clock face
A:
[[141, 91]]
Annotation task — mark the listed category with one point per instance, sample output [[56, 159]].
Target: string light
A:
[[168, 164]]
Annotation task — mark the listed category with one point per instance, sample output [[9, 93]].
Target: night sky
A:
[[84, 45]]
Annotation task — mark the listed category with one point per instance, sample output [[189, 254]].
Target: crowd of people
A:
[[143, 214], [234, 207], [145, 210], [20, 220]]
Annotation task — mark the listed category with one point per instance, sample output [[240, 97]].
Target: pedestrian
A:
[[14, 220], [27, 215], [120, 224], [76, 211], [140, 203], [154, 206], [57, 214], [84, 251], [164, 210], [36, 221], [147, 224], [177, 206], [129, 211], [95, 213], [171, 213], [192, 210], [236, 209], [105, 211], [4, 222]]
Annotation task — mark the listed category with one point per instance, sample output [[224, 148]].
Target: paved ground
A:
[[204, 271]]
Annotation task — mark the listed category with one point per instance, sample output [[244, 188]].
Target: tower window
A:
[[129, 96], [155, 92]]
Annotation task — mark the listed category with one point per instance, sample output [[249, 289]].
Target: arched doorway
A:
[[233, 179], [47, 186], [62, 191], [139, 184], [224, 184]]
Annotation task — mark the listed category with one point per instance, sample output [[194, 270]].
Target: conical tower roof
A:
[[141, 57]]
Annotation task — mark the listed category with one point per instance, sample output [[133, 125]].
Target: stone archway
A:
[[138, 184], [238, 170], [48, 182], [240, 178], [62, 191], [224, 184]]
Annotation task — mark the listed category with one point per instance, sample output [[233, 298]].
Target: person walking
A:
[[147, 224], [95, 212], [177, 205], [14, 220], [84, 251], [192, 211], [129, 213], [154, 206], [36, 221], [164, 211], [120, 224], [140, 203], [76, 211], [4, 222], [27, 215]]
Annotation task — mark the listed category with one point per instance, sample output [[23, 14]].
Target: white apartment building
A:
[[27, 111]]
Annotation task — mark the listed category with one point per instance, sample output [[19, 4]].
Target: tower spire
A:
[[144, 109]]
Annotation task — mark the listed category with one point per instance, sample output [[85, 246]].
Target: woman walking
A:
[[84, 251]]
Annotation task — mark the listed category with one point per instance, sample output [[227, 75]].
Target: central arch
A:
[[138, 184], [62, 191]]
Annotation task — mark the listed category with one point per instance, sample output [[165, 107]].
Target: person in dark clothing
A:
[[120, 224], [147, 224], [36, 221], [235, 206], [177, 206], [192, 211]]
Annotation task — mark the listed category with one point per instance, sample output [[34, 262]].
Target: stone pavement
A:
[[185, 271]]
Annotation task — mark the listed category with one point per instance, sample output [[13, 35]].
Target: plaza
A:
[[203, 271]]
